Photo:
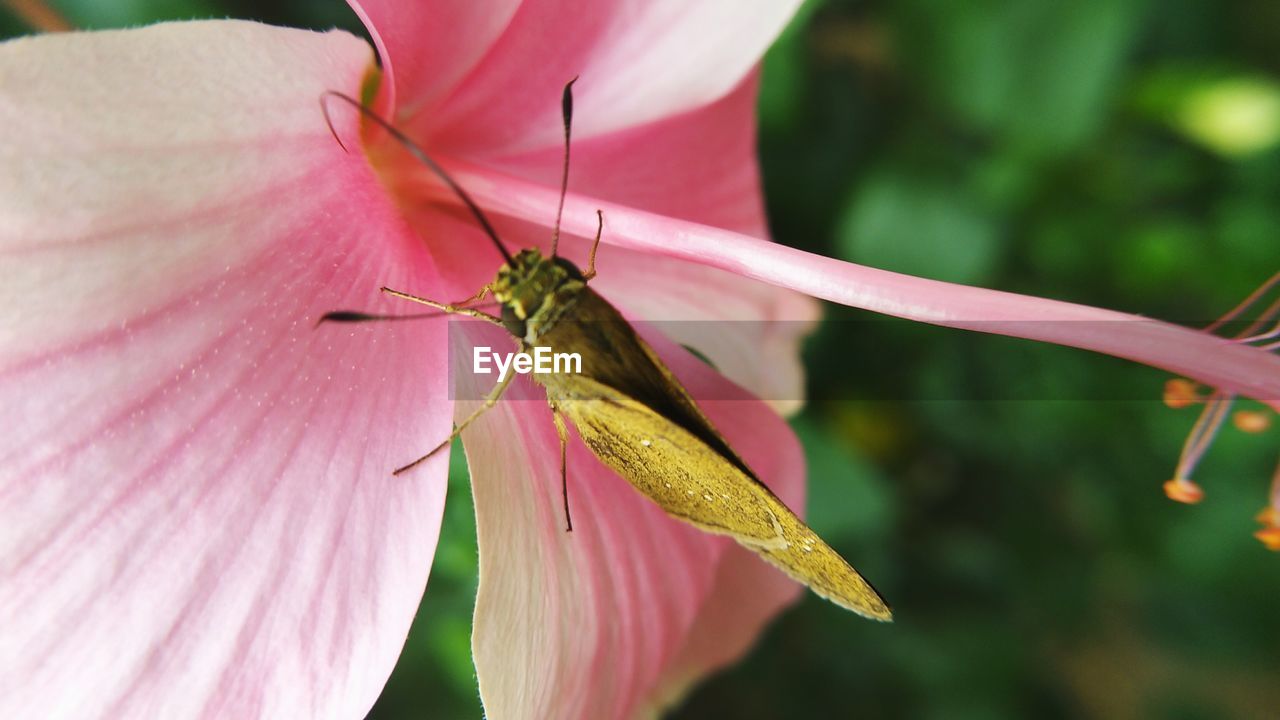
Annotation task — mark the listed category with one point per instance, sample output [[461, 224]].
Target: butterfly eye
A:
[[569, 268], [512, 322]]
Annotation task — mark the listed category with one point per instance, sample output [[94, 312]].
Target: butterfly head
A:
[[535, 291]]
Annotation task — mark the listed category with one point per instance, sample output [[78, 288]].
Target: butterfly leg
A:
[[482, 294], [489, 401], [451, 308], [563, 432], [591, 259]]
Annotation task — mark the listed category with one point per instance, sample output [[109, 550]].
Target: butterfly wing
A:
[[693, 482], [809, 560], [620, 358], [665, 462]]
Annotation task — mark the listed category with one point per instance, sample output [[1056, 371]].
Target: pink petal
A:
[[698, 166], [1203, 357], [196, 511], [427, 48], [726, 627], [638, 61], [624, 612]]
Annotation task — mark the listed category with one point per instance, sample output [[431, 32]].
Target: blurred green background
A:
[[1119, 153]]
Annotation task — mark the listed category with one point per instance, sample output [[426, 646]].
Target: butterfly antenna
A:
[[566, 111], [422, 156]]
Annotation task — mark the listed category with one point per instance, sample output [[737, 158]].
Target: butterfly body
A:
[[634, 415], [627, 406]]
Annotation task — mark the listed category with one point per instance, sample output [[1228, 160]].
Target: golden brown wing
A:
[[667, 463], [614, 355], [693, 482], [811, 561]]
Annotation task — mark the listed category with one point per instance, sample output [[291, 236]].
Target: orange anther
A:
[[1268, 516], [1180, 392], [1251, 421], [1269, 536], [1184, 491]]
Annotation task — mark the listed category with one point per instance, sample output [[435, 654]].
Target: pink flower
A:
[[196, 510]]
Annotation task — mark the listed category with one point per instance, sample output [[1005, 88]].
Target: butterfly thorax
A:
[[536, 292]]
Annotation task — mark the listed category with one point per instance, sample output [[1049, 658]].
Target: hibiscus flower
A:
[[198, 516]]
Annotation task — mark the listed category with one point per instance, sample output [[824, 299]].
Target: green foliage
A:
[[1035, 567], [917, 226], [1039, 74]]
